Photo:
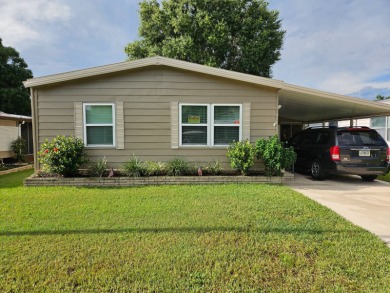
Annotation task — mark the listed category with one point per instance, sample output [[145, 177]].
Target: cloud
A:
[[63, 35], [22, 21], [334, 45]]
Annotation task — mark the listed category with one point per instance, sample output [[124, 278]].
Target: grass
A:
[[14, 179], [385, 177], [182, 238]]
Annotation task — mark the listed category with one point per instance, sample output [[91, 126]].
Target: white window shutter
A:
[[246, 121], [120, 126], [78, 120], [174, 125]]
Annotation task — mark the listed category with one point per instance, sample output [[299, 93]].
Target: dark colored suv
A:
[[358, 150]]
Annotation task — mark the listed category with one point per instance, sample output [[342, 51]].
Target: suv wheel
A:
[[369, 177], [316, 170]]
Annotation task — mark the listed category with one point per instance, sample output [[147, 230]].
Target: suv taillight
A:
[[388, 155], [335, 153]]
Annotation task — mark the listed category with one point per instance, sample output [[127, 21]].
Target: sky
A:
[[339, 46]]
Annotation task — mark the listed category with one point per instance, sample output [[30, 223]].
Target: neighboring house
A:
[[380, 124], [158, 108], [11, 127]]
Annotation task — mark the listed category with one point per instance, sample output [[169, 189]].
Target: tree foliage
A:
[[382, 98], [239, 35], [14, 97]]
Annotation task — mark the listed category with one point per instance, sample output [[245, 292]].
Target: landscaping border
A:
[[153, 180], [17, 169]]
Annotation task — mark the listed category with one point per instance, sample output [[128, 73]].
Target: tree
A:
[[381, 98], [14, 97], [239, 35]]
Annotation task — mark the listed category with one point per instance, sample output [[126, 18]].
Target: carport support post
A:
[[351, 122]]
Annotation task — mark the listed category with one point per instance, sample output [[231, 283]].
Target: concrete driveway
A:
[[366, 204]]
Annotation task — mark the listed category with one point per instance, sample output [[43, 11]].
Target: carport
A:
[[300, 105]]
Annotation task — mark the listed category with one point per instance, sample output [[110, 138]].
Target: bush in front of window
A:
[[156, 168], [241, 156], [213, 168], [135, 167], [274, 155], [179, 166], [98, 168], [62, 155]]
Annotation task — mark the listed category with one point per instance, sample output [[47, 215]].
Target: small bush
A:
[[98, 168], [241, 156], [156, 168], [179, 166], [135, 167], [274, 155], [213, 168], [19, 149], [63, 155]]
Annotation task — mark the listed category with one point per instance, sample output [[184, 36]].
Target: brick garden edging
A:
[[18, 169], [158, 180]]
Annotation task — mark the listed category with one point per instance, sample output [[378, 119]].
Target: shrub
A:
[[98, 168], [63, 155], [274, 155], [135, 167], [179, 166], [241, 156], [213, 168], [19, 149], [156, 168]]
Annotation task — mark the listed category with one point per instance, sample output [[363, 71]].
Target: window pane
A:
[[224, 135], [99, 114], [227, 115], [378, 122], [99, 135], [194, 114], [194, 135]]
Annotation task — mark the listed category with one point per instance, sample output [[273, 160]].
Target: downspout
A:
[[34, 103]]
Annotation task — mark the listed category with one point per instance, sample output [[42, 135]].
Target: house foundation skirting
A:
[[160, 180]]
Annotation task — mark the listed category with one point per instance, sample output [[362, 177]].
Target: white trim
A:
[[187, 124], [210, 124], [112, 124], [232, 125]]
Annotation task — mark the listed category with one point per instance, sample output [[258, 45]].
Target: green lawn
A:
[[182, 238], [385, 177]]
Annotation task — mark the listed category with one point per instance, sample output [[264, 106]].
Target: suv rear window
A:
[[359, 137]]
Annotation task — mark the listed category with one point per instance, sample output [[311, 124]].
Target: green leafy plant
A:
[[19, 149], [98, 168], [213, 168], [135, 167], [156, 168], [241, 156], [179, 166], [63, 155], [274, 155]]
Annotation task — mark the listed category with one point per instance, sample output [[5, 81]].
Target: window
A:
[[209, 124], [99, 124], [379, 124]]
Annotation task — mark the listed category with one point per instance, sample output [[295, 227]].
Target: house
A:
[[380, 124], [158, 108], [11, 127]]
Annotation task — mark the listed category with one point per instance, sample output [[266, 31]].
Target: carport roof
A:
[[298, 103]]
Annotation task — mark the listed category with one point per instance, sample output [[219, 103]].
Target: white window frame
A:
[[225, 125], [85, 125], [188, 124], [210, 124]]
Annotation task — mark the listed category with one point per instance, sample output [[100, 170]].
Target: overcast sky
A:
[[340, 46]]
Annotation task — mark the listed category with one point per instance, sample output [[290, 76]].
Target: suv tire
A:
[[316, 170], [368, 178]]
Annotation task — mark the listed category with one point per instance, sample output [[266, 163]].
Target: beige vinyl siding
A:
[[147, 95]]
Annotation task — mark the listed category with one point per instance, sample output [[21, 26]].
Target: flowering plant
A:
[[63, 155]]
